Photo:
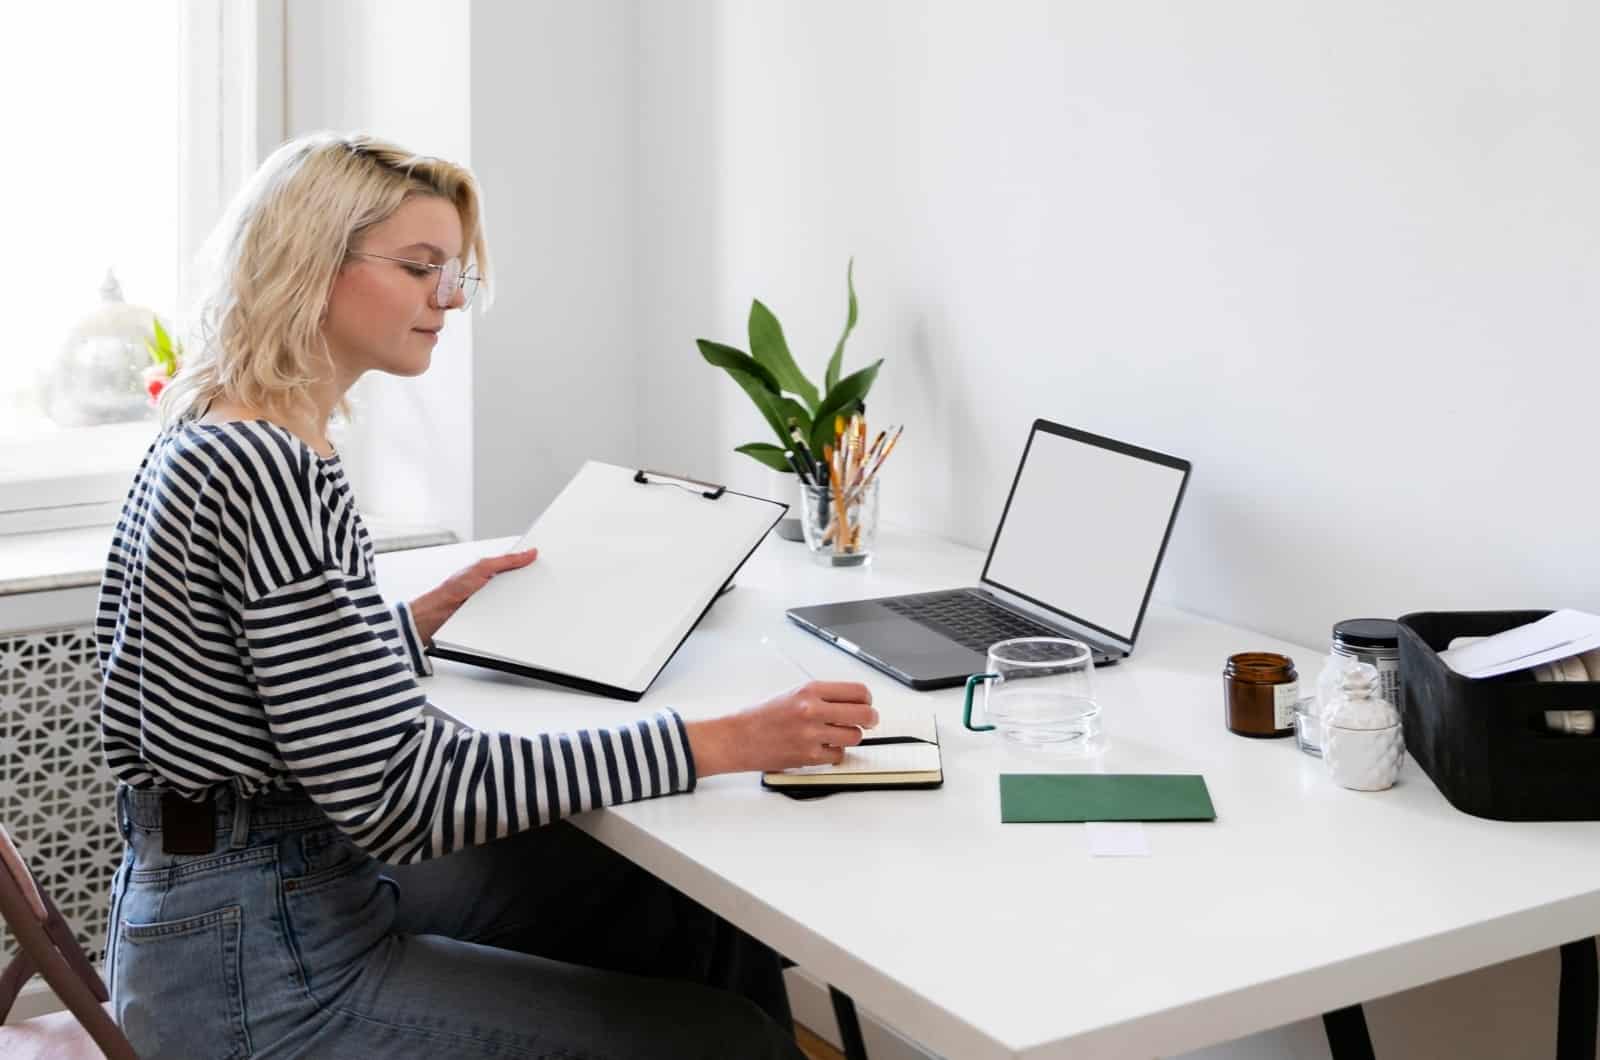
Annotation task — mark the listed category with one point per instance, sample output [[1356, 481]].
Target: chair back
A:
[[45, 947], [11, 860]]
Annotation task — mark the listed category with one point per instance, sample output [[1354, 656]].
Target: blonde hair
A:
[[269, 265]]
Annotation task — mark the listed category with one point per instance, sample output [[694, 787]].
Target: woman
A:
[[282, 787]]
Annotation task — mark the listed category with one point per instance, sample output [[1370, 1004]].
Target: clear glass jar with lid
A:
[[1376, 642], [96, 376]]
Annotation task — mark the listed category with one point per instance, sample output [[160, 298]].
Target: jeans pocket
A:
[[337, 917], [180, 988]]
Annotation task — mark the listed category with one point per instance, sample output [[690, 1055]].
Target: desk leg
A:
[[844, 1010], [1575, 1019], [1347, 1034]]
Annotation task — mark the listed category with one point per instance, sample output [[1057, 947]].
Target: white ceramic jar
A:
[[1362, 744]]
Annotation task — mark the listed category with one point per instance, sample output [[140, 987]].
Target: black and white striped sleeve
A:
[[345, 714], [416, 655]]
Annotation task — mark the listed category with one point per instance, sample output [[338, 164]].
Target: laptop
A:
[[1076, 554]]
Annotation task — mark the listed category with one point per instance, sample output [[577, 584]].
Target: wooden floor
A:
[[815, 1048]]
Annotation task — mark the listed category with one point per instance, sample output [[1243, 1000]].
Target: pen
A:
[[876, 442], [790, 659], [888, 449], [799, 468], [841, 535], [841, 445], [809, 676], [861, 447], [873, 471], [803, 451], [857, 450]]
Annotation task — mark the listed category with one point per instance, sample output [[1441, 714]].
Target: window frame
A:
[[231, 88]]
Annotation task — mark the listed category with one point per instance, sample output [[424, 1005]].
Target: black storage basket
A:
[[1484, 741]]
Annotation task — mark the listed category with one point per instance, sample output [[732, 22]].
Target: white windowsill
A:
[[71, 559], [75, 477]]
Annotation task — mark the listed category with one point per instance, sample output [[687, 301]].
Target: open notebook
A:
[[902, 752], [629, 562]]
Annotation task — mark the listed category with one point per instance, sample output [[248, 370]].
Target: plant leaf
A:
[[737, 360], [755, 381], [771, 350], [161, 349], [769, 455], [841, 397], [765, 400], [836, 362]]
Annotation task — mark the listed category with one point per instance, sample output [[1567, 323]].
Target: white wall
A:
[[384, 66], [553, 132], [680, 266], [1346, 258], [1340, 256], [541, 99]]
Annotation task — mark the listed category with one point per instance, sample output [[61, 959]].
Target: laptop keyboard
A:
[[967, 618]]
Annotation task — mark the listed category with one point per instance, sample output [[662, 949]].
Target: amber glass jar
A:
[[1259, 690]]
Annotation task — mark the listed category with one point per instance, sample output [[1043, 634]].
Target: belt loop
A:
[[241, 818], [124, 818]]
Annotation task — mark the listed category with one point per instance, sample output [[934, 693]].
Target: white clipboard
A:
[[629, 562]]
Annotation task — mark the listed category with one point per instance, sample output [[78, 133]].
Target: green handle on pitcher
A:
[[966, 715]]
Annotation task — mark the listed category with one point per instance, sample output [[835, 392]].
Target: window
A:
[[130, 124]]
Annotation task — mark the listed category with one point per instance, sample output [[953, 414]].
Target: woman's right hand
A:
[[807, 726]]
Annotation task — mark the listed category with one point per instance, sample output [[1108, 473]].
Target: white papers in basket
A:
[[1559, 635]]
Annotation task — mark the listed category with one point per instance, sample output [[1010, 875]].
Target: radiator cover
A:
[[57, 799]]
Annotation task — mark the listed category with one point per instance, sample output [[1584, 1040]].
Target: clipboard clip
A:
[[709, 490]]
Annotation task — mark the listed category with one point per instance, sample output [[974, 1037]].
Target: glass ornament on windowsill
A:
[[98, 375]]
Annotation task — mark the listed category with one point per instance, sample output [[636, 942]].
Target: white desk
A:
[[983, 940]]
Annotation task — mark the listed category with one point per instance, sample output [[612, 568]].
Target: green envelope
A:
[[1028, 797]]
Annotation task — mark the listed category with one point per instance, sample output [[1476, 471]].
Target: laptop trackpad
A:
[[906, 645]]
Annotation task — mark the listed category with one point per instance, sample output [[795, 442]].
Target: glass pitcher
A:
[[1039, 692]]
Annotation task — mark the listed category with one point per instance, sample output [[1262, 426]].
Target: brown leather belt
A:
[[188, 827]]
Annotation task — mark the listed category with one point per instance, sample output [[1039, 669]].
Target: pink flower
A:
[[155, 381]]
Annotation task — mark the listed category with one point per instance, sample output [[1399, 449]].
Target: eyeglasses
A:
[[452, 277]]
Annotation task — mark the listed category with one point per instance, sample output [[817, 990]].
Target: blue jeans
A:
[[289, 941]]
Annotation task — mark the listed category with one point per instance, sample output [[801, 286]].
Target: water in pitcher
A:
[[1044, 718]]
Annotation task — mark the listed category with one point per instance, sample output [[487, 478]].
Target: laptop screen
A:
[[1085, 527]]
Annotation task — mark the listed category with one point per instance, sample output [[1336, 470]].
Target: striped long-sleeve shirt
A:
[[243, 642]]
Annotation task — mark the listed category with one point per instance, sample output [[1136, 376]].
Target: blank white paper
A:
[[624, 571], [1559, 635], [1117, 839]]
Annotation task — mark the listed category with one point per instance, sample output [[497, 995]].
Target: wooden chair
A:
[[46, 947]]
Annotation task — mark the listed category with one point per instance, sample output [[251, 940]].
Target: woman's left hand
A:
[[430, 610]]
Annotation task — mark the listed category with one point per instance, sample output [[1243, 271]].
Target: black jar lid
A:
[[1367, 632]]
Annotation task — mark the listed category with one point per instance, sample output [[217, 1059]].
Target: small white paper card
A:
[[1117, 839]]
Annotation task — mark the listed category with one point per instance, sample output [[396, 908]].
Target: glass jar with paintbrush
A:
[[839, 496]]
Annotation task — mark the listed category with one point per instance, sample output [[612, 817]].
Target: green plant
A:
[[781, 391], [166, 357]]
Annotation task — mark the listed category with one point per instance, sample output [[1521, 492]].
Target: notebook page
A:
[[879, 758], [895, 720], [624, 571]]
